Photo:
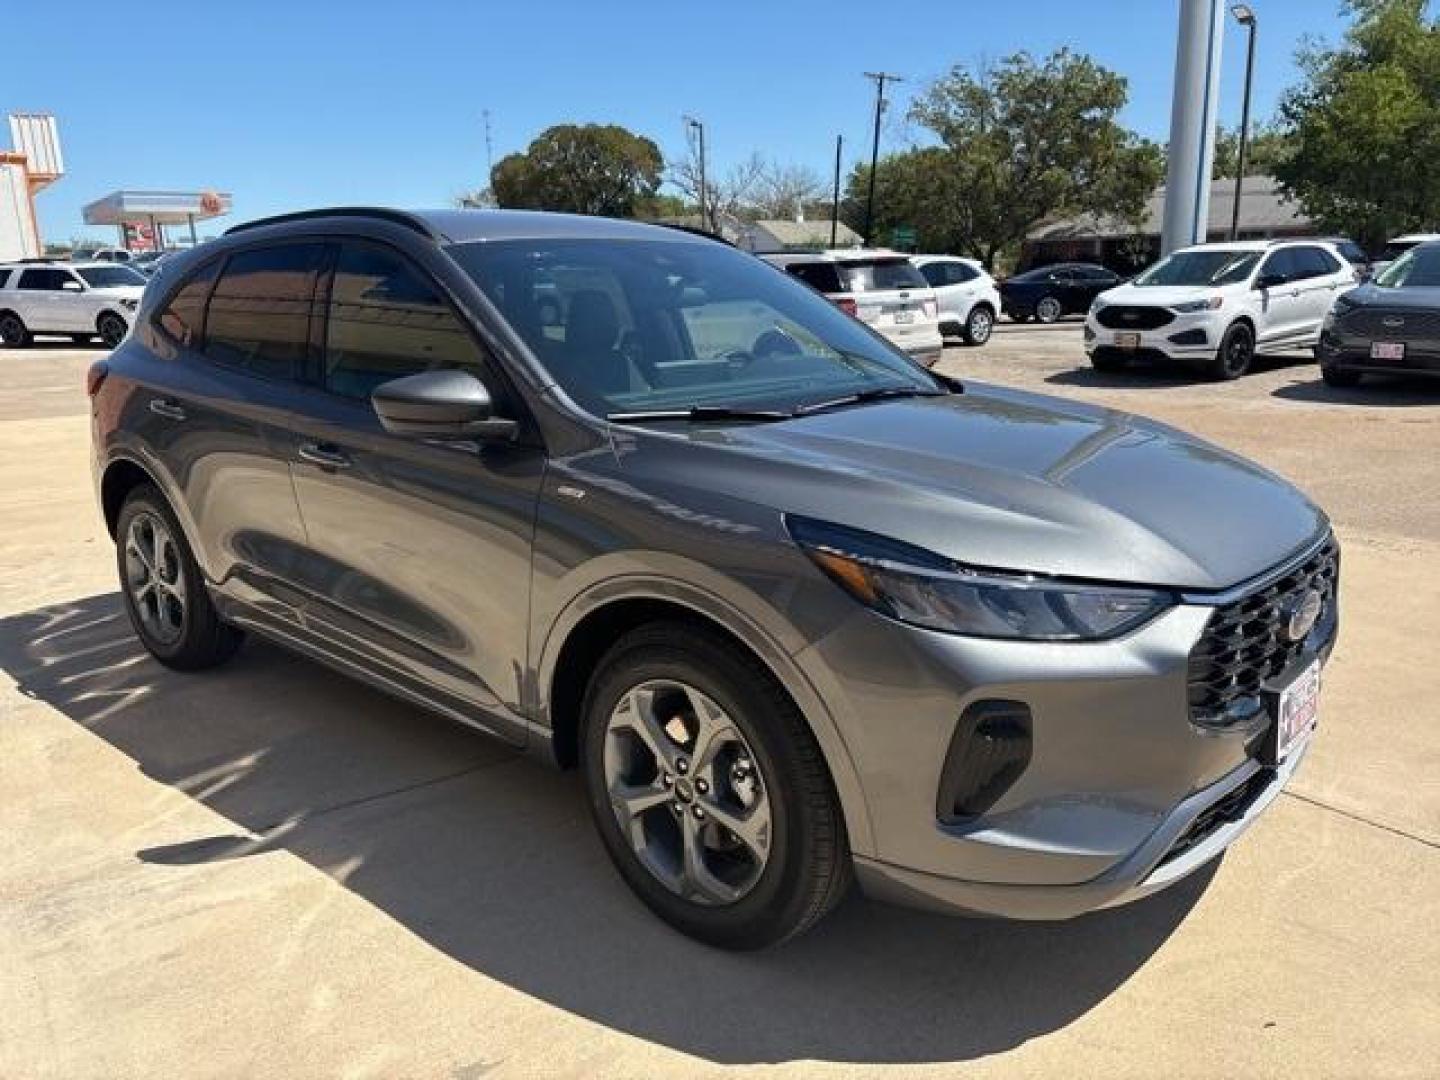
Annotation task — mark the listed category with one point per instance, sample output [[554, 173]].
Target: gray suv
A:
[[797, 609]]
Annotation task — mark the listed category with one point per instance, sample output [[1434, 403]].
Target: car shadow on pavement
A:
[[491, 858], [1161, 374], [1377, 391]]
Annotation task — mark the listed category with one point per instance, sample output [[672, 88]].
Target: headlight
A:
[[1339, 309], [1209, 304], [923, 589]]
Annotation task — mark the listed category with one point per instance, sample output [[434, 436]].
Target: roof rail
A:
[[381, 213], [693, 231]]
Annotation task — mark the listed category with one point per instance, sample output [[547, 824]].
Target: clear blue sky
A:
[[311, 102]]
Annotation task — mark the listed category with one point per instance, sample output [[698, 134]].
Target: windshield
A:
[[1395, 248], [109, 277], [1201, 268], [641, 325], [1417, 268]]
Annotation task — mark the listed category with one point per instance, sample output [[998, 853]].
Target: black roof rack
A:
[[381, 213], [693, 231]]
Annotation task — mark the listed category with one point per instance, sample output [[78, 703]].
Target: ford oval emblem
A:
[[1303, 615], [1394, 322]]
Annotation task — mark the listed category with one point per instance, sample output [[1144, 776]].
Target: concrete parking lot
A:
[[269, 870]]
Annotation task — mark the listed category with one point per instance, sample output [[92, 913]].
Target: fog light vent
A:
[[988, 752]]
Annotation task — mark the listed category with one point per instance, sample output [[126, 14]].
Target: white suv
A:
[[78, 300], [968, 297], [1217, 305], [882, 289]]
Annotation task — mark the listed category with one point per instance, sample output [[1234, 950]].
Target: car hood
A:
[[1004, 479], [1159, 295], [1424, 298]]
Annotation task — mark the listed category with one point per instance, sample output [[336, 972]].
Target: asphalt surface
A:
[[269, 870]]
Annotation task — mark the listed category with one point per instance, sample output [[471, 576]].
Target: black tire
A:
[[13, 332], [1049, 309], [979, 325], [1237, 351], [1339, 377], [112, 329], [808, 867], [202, 641]]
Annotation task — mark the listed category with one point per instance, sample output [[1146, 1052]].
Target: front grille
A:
[[1370, 323], [1246, 644], [1230, 807], [1129, 317]]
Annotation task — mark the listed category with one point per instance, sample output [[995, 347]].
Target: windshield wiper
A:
[[698, 412], [874, 393]]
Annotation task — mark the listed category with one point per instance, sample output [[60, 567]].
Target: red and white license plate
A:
[[1387, 350], [1299, 710]]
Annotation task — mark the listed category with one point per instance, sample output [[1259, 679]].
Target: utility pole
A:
[[835, 198], [1245, 16], [699, 129], [881, 78], [489, 150]]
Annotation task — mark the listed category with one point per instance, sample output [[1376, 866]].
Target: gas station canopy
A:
[[157, 208]]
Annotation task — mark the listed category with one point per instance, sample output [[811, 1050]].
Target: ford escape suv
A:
[[797, 609]]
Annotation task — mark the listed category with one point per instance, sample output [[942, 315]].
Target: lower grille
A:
[[1414, 325], [1229, 808], [1130, 317], [1247, 643]]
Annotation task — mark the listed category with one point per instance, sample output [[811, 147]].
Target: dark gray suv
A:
[[797, 608]]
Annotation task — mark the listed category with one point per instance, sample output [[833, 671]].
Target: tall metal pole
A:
[[881, 78], [1192, 123], [1247, 18], [835, 198], [699, 129]]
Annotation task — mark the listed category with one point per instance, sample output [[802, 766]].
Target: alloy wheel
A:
[[981, 323], [1048, 310], [686, 790], [1238, 352], [153, 578], [112, 330]]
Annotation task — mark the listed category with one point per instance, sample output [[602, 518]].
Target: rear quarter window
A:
[[182, 318]]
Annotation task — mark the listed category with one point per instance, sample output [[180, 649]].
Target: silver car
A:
[[799, 610]]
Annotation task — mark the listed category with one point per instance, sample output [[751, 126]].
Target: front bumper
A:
[[1193, 337], [1117, 772], [1352, 353]]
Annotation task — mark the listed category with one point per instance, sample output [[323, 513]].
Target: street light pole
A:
[[1245, 16], [699, 129], [835, 197], [881, 78]]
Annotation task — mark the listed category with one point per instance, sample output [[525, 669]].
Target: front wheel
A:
[[112, 329], [1237, 350], [1049, 310], [979, 325], [164, 588], [709, 791], [13, 334]]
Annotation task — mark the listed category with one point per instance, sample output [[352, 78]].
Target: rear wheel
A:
[[1339, 377], [709, 791], [1237, 350], [13, 334], [979, 325], [164, 588], [1049, 310], [112, 329]]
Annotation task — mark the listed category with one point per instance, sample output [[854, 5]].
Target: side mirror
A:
[[440, 405], [72, 286], [1270, 281]]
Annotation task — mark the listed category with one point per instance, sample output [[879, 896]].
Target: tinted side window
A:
[[44, 278], [259, 315], [822, 276], [1282, 264], [936, 274], [387, 320], [184, 316], [1318, 262], [963, 272]]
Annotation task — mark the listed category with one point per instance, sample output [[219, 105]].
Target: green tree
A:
[[1365, 124], [1269, 145], [1019, 143], [584, 169]]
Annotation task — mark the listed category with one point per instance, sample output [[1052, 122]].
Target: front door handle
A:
[[167, 409], [327, 457]]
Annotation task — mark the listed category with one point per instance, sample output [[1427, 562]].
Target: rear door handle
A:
[[327, 457], [167, 409]]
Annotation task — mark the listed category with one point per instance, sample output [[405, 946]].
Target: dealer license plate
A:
[[1387, 350], [1127, 341], [1299, 711]]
